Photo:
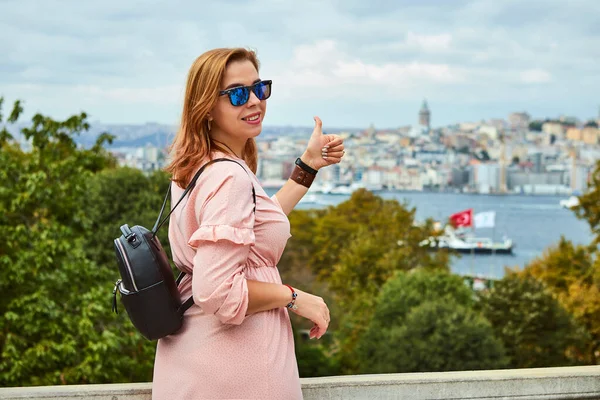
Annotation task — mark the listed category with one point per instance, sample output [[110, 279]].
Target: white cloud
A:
[[323, 68], [397, 74], [469, 54], [535, 76], [168, 94], [308, 56], [429, 42]]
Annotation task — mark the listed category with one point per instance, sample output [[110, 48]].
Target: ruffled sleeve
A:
[[224, 211]]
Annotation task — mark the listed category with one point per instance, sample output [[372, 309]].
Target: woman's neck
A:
[[235, 147]]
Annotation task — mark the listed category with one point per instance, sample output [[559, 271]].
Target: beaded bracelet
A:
[[292, 304]]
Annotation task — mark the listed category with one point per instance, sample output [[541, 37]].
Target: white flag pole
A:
[[472, 262], [493, 264], [473, 251]]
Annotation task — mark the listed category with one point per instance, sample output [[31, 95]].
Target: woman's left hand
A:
[[323, 150]]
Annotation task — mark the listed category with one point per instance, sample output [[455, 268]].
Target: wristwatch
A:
[[305, 166]]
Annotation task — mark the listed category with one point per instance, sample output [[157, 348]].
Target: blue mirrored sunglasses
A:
[[238, 96]]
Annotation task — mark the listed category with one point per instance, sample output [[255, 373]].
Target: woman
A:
[[236, 341]]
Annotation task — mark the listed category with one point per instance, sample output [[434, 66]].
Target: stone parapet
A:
[[523, 384]]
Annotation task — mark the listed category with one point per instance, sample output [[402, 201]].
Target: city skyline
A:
[[350, 64]]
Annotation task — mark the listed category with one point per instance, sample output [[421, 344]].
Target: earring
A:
[[208, 124]]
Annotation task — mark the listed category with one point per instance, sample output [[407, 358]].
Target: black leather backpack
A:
[[147, 286]]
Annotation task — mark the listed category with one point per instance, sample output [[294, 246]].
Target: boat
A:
[[569, 203], [464, 242], [341, 189], [375, 188], [324, 188], [309, 199]]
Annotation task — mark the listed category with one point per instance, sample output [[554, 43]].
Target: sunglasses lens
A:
[[262, 90], [239, 96]]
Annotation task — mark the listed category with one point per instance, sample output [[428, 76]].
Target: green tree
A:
[[535, 329], [294, 264], [56, 324], [314, 357], [562, 265], [589, 204], [536, 126], [425, 321], [583, 295], [120, 196], [591, 124], [572, 274], [358, 245], [375, 235]]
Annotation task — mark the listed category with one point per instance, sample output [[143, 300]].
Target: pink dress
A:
[[216, 238]]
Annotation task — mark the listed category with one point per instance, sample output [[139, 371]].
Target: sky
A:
[[351, 62]]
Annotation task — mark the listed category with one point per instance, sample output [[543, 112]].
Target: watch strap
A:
[[305, 166], [302, 177]]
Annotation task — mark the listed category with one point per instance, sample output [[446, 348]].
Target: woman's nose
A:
[[253, 99]]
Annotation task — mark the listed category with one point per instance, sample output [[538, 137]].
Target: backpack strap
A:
[[185, 306], [190, 301]]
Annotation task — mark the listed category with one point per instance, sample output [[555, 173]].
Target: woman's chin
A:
[[254, 130]]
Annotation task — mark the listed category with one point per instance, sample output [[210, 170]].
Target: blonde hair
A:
[[192, 142]]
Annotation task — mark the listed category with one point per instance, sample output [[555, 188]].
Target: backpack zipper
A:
[[124, 256]]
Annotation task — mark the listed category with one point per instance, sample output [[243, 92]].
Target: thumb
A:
[[318, 126]]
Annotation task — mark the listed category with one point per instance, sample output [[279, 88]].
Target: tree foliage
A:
[[359, 244], [356, 247], [535, 329], [589, 204], [572, 274], [536, 126], [123, 196], [56, 324], [591, 124], [294, 264], [314, 357], [425, 321]]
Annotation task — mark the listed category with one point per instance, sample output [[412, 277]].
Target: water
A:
[[532, 222]]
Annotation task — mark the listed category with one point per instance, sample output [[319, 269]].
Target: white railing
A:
[[523, 384]]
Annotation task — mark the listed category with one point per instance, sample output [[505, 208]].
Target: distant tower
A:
[[573, 154], [371, 131], [503, 186], [425, 115]]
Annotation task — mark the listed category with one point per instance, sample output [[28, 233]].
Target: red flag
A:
[[463, 218]]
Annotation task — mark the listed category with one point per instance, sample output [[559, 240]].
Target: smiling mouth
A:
[[251, 118]]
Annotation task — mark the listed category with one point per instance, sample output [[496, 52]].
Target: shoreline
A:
[[428, 192]]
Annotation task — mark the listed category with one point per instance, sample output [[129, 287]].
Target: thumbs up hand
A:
[[323, 150]]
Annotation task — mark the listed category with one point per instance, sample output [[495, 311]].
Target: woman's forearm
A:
[[263, 296], [289, 195]]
